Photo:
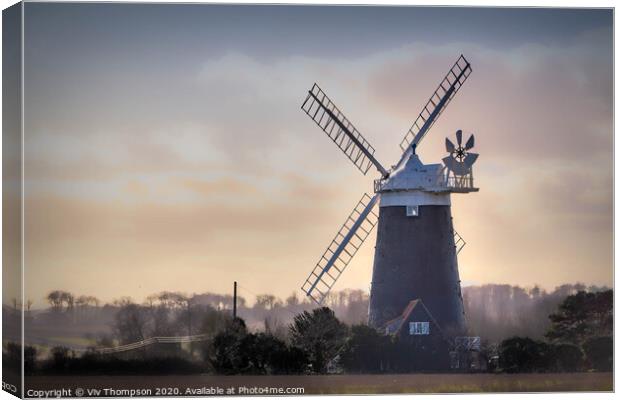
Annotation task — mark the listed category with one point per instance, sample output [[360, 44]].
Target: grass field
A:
[[342, 384]]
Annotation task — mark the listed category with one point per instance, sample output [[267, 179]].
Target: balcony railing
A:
[[459, 182], [444, 182]]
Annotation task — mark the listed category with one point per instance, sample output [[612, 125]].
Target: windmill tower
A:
[[417, 246]]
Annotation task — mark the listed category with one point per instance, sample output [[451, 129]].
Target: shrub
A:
[[365, 350], [600, 352], [235, 351], [60, 358], [320, 335], [30, 359], [567, 357], [522, 354]]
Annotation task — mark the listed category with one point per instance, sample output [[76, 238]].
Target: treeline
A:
[[316, 341], [500, 311], [580, 337], [495, 312]]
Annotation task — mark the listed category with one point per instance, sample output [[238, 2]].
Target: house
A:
[[421, 343]]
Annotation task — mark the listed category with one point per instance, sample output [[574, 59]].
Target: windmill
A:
[[416, 249]]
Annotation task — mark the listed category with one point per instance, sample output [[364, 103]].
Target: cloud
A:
[[214, 239], [531, 103], [219, 174]]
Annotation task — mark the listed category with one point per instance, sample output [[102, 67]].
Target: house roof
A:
[[395, 325]]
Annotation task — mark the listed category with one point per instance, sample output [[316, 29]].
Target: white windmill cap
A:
[[414, 175]]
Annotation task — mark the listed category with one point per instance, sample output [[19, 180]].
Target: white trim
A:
[[414, 198]]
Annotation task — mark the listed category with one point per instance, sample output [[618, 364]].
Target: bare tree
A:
[[292, 300], [184, 303], [56, 300], [265, 301], [130, 323], [122, 301], [68, 299]]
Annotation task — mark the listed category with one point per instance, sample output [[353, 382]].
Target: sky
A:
[[165, 147]]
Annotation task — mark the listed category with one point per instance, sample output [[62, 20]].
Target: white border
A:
[[479, 3]]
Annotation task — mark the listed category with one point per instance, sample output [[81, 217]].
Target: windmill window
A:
[[419, 328], [412, 211]]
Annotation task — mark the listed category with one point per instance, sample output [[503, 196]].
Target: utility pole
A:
[[235, 300]]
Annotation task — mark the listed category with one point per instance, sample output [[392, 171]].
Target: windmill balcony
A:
[[444, 183], [463, 183]]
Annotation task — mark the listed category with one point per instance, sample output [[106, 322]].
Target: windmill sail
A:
[[459, 242], [446, 90], [348, 240], [331, 120]]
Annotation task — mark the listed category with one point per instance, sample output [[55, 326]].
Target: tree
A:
[[357, 306], [55, 299], [226, 357], [130, 323], [270, 355], [292, 300], [289, 360], [320, 335], [522, 354], [258, 349], [60, 358], [69, 299], [241, 302], [225, 353], [59, 298], [12, 356], [567, 357], [274, 327], [184, 304], [122, 301], [161, 325], [236, 351], [365, 350], [92, 300], [265, 301], [502, 311], [30, 359], [81, 302], [582, 316], [600, 352], [28, 316], [214, 321]]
